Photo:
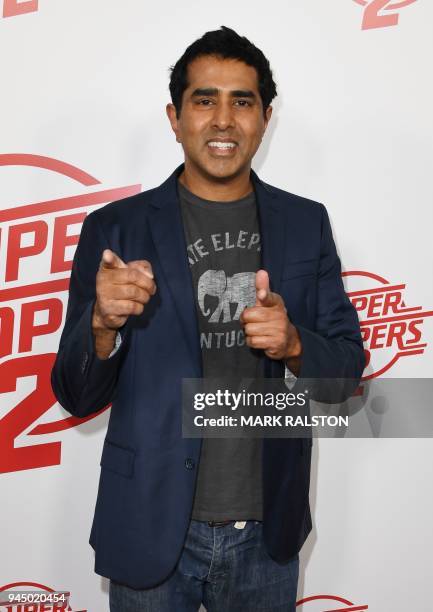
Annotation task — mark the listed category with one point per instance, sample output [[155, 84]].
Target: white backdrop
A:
[[84, 88]]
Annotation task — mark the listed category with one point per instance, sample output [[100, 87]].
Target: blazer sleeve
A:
[[83, 383], [334, 349]]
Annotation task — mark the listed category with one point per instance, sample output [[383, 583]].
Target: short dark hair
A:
[[227, 44]]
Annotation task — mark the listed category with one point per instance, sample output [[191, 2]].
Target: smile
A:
[[215, 144], [217, 147]]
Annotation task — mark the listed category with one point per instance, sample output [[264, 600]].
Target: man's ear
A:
[[268, 115], [170, 109]]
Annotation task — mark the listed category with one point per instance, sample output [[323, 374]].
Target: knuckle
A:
[[103, 305], [131, 307], [131, 292], [110, 308], [100, 280], [132, 275], [110, 320]]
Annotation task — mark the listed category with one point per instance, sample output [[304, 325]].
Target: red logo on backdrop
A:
[[40, 231], [390, 329], [11, 8], [34, 597], [329, 603], [381, 13]]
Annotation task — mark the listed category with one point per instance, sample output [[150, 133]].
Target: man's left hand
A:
[[267, 326]]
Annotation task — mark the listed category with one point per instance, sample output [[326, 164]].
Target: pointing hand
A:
[[122, 289], [267, 326]]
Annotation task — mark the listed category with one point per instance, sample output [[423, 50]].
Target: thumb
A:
[[110, 260], [262, 287]]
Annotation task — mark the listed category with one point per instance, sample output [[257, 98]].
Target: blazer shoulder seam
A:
[[282, 194]]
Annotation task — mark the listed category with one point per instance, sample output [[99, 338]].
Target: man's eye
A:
[[205, 101], [243, 102]]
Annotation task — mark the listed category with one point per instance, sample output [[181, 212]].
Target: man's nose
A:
[[223, 117]]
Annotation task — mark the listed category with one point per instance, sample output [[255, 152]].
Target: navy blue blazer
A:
[[148, 470]]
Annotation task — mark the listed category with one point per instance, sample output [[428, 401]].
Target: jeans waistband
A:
[[219, 523]]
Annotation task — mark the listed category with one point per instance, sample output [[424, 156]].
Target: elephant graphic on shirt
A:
[[238, 289]]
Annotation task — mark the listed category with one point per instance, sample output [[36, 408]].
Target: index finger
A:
[[111, 260], [270, 299], [131, 276]]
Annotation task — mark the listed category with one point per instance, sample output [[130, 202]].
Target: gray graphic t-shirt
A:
[[223, 245]]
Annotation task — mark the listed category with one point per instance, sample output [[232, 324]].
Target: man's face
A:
[[221, 122]]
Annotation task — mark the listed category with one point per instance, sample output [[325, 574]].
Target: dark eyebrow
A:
[[213, 91], [243, 93], [209, 91]]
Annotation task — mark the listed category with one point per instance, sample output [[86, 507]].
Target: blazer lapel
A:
[[272, 229], [167, 231]]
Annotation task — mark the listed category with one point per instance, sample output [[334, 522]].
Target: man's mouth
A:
[[222, 147]]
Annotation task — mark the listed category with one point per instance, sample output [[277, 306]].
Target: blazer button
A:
[[189, 463]]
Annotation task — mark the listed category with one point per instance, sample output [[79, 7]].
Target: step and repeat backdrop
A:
[[82, 123]]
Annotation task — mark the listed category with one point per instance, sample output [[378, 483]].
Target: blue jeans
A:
[[225, 568]]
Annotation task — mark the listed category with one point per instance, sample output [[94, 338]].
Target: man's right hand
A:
[[121, 290]]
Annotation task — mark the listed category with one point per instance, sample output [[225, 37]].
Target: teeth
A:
[[222, 145]]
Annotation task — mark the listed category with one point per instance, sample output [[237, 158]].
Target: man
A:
[[214, 273]]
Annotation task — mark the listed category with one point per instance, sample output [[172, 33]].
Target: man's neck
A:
[[217, 190]]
